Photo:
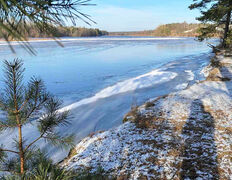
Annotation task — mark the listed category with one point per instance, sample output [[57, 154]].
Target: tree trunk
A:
[[227, 28], [21, 153]]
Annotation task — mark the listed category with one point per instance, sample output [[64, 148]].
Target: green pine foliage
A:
[[22, 105], [216, 17], [17, 16], [42, 168]]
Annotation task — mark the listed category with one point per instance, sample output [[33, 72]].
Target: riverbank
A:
[[186, 134]]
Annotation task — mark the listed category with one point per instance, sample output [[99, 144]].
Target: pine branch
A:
[[36, 96], [59, 141], [3, 127], [3, 106], [16, 15], [7, 150], [23, 105], [10, 171], [34, 108], [10, 166], [33, 142]]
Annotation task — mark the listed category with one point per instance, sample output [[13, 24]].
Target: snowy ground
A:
[[184, 135]]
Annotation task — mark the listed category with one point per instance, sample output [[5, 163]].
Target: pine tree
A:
[[16, 17], [22, 105], [215, 14]]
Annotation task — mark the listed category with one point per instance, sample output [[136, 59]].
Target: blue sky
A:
[[135, 15]]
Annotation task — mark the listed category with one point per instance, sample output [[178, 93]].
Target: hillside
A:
[[174, 29]]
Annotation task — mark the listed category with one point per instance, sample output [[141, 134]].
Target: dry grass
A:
[[215, 75], [149, 104], [71, 153], [132, 115]]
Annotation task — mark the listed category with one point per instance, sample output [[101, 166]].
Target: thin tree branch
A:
[[33, 142], [25, 102], [35, 107], [8, 150], [5, 125]]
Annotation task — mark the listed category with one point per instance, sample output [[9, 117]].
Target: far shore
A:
[[91, 37]]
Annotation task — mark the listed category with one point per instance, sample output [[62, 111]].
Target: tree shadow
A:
[[227, 77], [199, 151], [165, 144]]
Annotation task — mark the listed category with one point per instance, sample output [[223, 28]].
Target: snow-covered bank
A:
[[184, 135], [146, 80]]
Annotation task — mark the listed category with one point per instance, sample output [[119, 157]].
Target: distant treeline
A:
[[33, 32], [78, 32], [174, 29]]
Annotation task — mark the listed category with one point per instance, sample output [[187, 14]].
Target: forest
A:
[[75, 32], [174, 29], [60, 31]]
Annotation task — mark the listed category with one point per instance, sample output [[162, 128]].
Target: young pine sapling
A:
[[28, 105]]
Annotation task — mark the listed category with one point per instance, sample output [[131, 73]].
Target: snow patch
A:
[[125, 149], [147, 80], [190, 75], [205, 71], [181, 86]]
